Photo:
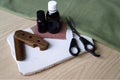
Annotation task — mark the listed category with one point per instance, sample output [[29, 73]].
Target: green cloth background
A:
[[99, 19]]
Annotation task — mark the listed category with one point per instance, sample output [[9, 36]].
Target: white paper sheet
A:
[[37, 60]]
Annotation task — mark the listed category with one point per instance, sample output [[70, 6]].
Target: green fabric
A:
[[99, 19]]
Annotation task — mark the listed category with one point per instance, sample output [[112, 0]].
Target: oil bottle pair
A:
[[50, 22]]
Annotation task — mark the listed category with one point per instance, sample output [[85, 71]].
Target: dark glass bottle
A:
[[41, 22], [53, 17]]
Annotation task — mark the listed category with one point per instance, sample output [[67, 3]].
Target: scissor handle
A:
[[73, 46], [86, 44]]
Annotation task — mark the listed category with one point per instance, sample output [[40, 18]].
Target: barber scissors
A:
[[84, 41]]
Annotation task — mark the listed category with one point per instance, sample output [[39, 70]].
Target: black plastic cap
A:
[[41, 15]]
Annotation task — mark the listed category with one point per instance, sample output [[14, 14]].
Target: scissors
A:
[[84, 41]]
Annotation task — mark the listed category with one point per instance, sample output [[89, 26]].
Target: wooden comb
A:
[[23, 37]]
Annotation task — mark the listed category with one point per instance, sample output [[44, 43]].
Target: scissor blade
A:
[[71, 24]]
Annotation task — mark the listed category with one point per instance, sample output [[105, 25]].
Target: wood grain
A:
[[83, 67], [22, 37]]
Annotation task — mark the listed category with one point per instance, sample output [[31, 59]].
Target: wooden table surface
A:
[[85, 67]]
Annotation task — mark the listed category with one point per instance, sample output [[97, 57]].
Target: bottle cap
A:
[[52, 6], [41, 15]]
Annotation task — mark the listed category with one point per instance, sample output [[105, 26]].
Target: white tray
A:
[[37, 60]]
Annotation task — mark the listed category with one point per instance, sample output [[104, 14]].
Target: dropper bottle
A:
[[53, 17], [41, 21], [52, 13]]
